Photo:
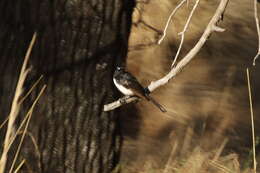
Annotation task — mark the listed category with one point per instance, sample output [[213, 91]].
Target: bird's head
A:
[[118, 71], [118, 68]]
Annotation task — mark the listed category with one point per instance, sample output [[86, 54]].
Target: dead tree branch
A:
[[183, 32], [169, 19], [212, 27], [122, 101]]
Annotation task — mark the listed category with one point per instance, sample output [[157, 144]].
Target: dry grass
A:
[[12, 132], [195, 160], [252, 118], [15, 108], [187, 157]]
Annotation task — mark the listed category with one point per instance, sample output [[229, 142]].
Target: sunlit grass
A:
[[12, 132]]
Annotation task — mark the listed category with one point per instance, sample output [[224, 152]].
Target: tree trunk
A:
[[79, 43]]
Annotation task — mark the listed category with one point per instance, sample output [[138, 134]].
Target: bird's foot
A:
[[147, 91], [123, 100]]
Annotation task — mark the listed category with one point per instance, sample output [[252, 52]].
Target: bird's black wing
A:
[[130, 82]]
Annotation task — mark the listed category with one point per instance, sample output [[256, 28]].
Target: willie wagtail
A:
[[127, 84]]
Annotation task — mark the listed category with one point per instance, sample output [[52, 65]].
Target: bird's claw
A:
[[123, 100]]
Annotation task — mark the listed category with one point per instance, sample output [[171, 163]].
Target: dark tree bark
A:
[[79, 44]]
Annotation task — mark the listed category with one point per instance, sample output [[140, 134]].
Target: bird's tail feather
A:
[[149, 98]]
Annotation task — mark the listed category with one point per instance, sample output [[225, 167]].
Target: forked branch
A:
[[169, 20], [183, 32], [212, 27]]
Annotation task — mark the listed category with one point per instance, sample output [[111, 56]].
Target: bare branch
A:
[[169, 19], [120, 102], [184, 30], [138, 21], [210, 28], [174, 71], [258, 30]]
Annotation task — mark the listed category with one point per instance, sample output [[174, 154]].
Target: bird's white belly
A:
[[122, 89]]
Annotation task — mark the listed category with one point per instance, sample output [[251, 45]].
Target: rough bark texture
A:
[[78, 45]]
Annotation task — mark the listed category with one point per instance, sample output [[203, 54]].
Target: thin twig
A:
[[22, 99], [169, 19], [252, 117], [19, 166], [31, 89], [171, 157], [212, 27], [4, 122], [187, 141], [26, 127], [183, 32], [220, 166], [18, 129], [36, 147], [11, 140], [219, 151], [15, 105], [258, 30]]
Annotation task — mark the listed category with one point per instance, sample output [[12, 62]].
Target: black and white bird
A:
[[127, 84]]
